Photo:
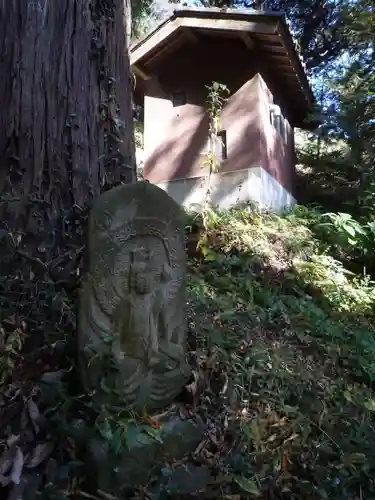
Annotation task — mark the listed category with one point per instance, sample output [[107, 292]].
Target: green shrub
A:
[[289, 330]]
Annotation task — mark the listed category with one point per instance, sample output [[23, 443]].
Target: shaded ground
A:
[[282, 346]]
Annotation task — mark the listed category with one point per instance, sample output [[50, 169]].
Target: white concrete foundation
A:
[[231, 188]]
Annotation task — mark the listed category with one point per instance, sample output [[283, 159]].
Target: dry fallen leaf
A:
[[24, 419], [225, 385], [34, 414], [13, 439], [51, 470], [17, 491], [4, 480], [6, 460], [17, 467], [200, 447], [192, 388], [211, 361], [106, 496], [38, 454], [196, 386]]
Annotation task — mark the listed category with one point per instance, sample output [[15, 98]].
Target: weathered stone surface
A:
[[144, 456], [132, 320]]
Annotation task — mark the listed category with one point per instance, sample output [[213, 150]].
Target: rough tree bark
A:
[[66, 128]]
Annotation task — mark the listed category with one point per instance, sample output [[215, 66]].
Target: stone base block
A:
[[143, 457]]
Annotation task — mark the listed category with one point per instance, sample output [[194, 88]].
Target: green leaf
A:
[[353, 459], [117, 440], [132, 436], [248, 485], [204, 250], [229, 313], [108, 338], [105, 430], [369, 404], [104, 386], [154, 433], [211, 257], [350, 230]]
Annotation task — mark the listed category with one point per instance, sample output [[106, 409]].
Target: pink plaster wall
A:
[[175, 138], [277, 155]]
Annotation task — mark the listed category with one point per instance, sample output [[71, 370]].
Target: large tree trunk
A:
[[66, 133], [66, 129]]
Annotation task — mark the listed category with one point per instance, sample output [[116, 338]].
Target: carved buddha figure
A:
[[143, 313], [134, 295]]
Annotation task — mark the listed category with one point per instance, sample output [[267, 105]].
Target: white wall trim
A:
[[231, 188]]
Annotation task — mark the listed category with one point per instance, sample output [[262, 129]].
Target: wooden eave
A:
[[267, 31]]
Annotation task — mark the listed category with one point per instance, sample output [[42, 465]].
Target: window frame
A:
[[175, 99], [222, 140], [279, 122]]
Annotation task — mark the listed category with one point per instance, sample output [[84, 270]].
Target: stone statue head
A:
[[142, 272]]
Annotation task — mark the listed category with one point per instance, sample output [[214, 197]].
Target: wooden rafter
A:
[[138, 71], [266, 31], [247, 40]]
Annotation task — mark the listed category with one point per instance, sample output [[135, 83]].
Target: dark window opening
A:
[[221, 146], [279, 124], [178, 99]]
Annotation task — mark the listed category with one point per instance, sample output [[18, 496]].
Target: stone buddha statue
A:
[[132, 319]]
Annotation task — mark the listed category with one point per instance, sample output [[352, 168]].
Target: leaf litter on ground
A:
[[283, 373]]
